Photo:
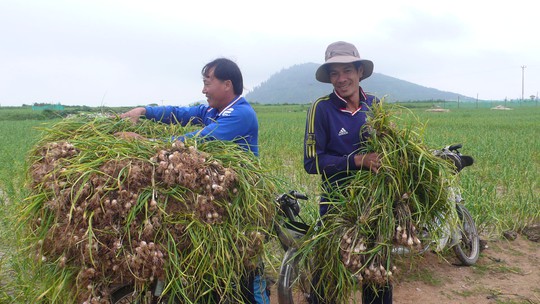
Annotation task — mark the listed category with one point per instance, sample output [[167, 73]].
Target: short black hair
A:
[[226, 69]]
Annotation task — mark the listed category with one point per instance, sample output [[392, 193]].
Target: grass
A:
[[496, 266], [426, 276], [17, 138], [502, 188]]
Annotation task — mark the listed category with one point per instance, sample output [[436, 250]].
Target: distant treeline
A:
[[30, 112], [27, 112]]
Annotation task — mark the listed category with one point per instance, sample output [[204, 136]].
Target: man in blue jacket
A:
[[334, 137], [228, 116]]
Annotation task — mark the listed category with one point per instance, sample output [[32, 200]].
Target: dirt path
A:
[[507, 272]]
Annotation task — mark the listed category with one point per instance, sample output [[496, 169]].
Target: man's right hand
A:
[[134, 114], [129, 135], [369, 161]]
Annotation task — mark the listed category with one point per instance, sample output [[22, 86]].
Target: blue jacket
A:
[[237, 122], [333, 136]]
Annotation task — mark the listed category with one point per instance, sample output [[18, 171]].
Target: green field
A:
[[502, 188]]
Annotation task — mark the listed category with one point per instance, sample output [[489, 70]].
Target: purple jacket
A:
[[333, 136]]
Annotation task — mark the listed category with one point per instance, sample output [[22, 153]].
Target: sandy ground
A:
[[506, 272]]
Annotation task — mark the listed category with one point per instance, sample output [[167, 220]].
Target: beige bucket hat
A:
[[342, 52]]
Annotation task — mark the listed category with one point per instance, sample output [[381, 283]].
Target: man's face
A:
[[345, 78], [217, 91]]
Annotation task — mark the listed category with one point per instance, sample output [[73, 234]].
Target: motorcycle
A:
[[463, 238]]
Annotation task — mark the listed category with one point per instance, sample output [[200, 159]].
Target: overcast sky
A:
[[128, 53]]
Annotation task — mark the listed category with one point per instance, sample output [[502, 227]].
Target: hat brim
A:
[[322, 72]]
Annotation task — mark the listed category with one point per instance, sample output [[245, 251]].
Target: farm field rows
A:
[[502, 188]]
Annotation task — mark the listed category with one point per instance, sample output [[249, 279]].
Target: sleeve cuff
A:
[[351, 165]]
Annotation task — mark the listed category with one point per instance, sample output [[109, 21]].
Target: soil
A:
[[506, 272]]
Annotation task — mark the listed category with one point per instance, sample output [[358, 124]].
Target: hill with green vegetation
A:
[[297, 84]]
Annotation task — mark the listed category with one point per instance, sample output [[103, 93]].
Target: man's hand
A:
[[369, 161], [129, 135], [134, 114]]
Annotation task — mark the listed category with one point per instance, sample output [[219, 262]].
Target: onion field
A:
[[501, 189]]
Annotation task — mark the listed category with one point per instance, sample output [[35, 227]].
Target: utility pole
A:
[[523, 82]]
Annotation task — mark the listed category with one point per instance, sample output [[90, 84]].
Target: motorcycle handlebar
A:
[[297, 195], [455, 147]]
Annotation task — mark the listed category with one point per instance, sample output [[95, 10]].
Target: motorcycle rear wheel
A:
[[467, 248]]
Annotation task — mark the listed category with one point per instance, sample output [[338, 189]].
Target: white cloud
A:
[[138, 52]]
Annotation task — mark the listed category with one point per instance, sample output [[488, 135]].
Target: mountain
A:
[[297, 84]]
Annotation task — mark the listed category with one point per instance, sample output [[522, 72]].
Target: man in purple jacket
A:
[[334, 139], [333, 136], [228, 116]]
